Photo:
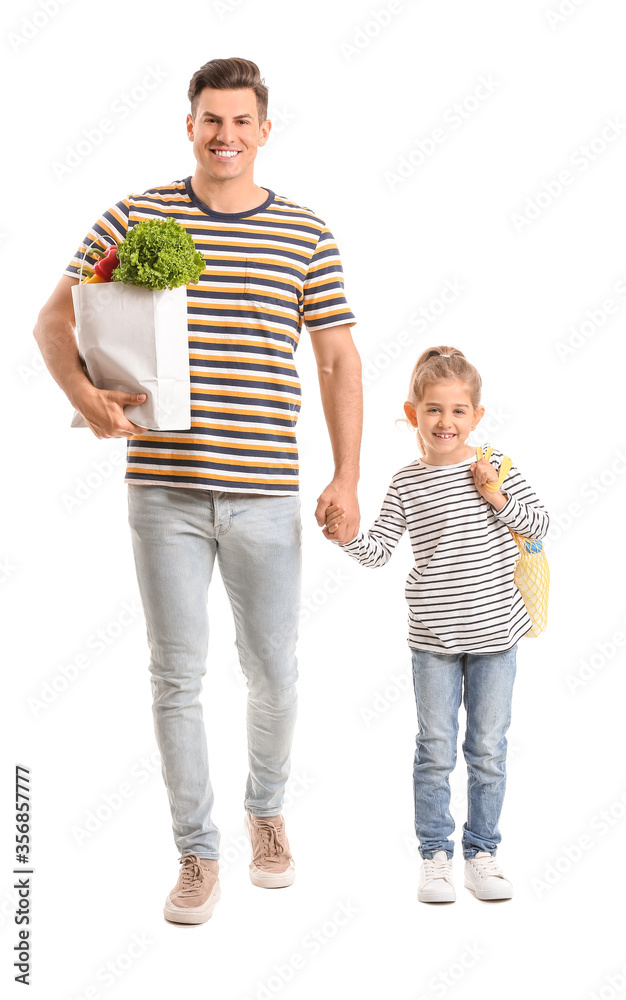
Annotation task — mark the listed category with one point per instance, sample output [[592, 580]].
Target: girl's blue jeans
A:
[[485, 683], [178, 534]]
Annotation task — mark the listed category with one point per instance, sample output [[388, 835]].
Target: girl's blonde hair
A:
[[441, 364]]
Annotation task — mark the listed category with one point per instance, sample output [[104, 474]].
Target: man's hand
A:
[[103, 409], [341, 494]]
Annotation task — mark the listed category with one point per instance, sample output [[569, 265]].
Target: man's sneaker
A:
[[484, 877], [435, 885], [193, 898], [272, 865]]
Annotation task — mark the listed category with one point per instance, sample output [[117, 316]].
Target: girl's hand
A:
[[484, 472], [334, 516]]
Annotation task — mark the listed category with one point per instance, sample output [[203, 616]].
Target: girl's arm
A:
[[374, 547], [522, 510]]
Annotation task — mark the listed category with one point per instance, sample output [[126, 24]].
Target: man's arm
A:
[[54, 332], [339, 371]]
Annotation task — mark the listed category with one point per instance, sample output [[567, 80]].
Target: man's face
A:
[[226, 132]]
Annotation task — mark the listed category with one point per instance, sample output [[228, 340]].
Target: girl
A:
[[465, 613]]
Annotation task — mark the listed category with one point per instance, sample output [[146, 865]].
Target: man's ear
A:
[[264, 132], [409, 409]]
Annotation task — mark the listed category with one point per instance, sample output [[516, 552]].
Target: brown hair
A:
[[440, 364], [229, 74]]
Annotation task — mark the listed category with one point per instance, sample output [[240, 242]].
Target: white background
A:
[[349, 98]]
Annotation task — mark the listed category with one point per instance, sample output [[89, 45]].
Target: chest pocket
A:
[[265, 286]]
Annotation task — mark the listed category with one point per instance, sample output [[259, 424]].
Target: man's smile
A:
[[226, 154]]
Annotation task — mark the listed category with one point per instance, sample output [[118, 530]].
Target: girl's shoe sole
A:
[[488, 893]]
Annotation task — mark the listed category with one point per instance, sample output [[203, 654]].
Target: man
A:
[[228, 487]]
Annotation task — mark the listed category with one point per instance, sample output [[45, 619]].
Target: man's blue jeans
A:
[[485, 680], [177, 532]]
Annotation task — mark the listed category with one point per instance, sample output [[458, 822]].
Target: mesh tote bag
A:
[[532, 573]]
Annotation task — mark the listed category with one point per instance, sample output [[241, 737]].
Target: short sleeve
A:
[[325, 304], [111, 227]]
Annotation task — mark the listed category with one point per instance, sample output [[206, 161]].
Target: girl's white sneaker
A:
[[485, 878], [435, 884]]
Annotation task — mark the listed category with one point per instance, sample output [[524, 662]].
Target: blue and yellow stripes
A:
[[267, 273]]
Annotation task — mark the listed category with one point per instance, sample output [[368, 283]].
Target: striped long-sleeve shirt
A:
[[461, 593], [268, 271]]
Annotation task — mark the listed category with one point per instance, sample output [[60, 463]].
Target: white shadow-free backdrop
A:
[[477, 147]]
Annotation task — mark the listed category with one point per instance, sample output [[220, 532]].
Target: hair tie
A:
[[445, 355]]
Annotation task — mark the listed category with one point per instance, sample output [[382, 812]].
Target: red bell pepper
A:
[[105, 267]]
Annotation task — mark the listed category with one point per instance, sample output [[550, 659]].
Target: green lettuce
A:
[[158, 253]]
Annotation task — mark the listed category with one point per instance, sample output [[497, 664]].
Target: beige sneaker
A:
[[193, 898], [272, 865]]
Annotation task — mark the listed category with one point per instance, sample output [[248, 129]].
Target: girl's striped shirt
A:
[[268, 271], [461, 592]]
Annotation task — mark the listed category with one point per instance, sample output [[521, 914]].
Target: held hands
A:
[[484, 472], [103, 409], [335, 515], [340, 498]]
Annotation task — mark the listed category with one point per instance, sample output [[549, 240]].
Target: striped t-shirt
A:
[[461, 592], [267, 271]]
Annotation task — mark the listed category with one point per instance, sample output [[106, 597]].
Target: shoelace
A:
[[436, 868], [192, 874], [271, 847], [488, 866]]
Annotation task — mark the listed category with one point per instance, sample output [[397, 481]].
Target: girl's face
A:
[[444, 418]]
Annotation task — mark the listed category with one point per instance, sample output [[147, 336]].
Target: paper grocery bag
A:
[[136, 340]]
